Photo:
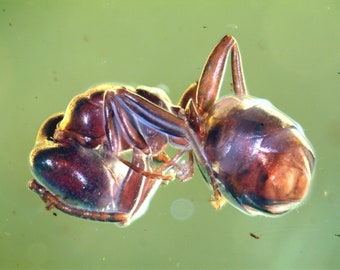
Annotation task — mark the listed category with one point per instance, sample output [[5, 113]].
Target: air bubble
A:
[[182, 209]]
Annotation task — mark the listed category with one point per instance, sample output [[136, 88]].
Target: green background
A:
[[52, 50]]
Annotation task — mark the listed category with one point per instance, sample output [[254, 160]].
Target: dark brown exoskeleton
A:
[[95, 161], [250, 153]]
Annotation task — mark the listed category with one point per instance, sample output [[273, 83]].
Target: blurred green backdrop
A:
[[52, 50]]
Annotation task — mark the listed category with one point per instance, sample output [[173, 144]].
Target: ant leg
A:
[[153, 175], [151, 114], [162, 157], [189, 93], [111, 129], [163, 121], [170, 124], [184, 169], [211, 78], [117, 118], [217, 200], [239, 84], [55, 201]]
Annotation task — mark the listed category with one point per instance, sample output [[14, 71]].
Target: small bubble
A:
[[182, 209], [232, 25]]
